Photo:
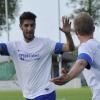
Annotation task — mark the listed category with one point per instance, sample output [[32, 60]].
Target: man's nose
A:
[[30, 28]]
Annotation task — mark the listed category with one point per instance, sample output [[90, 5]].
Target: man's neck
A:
[[29, 40], [85, 38]]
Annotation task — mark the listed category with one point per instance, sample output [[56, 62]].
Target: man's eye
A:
[[32, 25], [26, 25]]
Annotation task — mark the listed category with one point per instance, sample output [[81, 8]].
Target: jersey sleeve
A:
[[58, 48], [55, 47], [85, 52], [4, 49]]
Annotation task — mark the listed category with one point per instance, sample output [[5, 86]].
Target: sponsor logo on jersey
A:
[[28, 56]]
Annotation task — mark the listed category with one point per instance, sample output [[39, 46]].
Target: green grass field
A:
[[74, 94], [62, 94]]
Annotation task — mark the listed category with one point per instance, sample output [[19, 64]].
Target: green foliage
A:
[[90, 6], [12, 12]]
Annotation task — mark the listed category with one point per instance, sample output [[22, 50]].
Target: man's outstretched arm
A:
[[74, 72]]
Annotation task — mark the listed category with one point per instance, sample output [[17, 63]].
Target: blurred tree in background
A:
[[12, 12], [90, 6]]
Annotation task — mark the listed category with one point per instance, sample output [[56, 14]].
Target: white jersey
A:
[[90, 51], [33, 64]]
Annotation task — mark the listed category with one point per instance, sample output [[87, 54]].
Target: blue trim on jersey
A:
[[51, 96], [4, 50], [58, 48], [87, 58]]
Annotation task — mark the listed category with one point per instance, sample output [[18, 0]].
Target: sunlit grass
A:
[[62, 94]]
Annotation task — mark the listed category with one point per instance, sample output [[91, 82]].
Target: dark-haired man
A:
[[32, 58]]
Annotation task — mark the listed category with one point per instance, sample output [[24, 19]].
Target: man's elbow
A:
[[72, 48]]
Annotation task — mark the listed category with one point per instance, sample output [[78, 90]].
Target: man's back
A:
[[92, 75]]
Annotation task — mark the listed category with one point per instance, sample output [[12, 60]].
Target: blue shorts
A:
[[51, 96]]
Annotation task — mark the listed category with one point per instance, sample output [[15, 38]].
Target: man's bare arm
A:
[[74, 72], [69, 46]]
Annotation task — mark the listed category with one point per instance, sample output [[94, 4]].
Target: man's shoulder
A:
[[89, 43], [43, 39], [14, 43]]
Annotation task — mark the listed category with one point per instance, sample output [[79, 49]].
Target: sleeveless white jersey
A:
[[92, 75], [33, 64]]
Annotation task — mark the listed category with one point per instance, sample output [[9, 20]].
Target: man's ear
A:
[[76, 33], [20, 26], [93, 28]]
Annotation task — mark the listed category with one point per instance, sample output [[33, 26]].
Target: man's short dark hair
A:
[[27, 15]]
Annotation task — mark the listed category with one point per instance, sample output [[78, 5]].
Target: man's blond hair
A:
[[84, 24]]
